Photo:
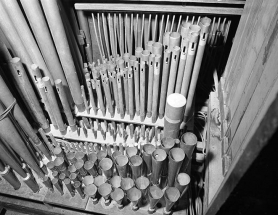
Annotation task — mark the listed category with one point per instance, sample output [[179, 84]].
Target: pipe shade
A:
[[176, 157]]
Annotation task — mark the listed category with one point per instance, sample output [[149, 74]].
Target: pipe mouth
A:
[[189, 138], [58, 161], [136, 160], [183, 179], [106, 164], [177, 154], [88, 165], [79, 164], [117, 195], [116, 181], [92, 157], [121, 160], [127, 183], [79, 155], [175, 35], [134, 194], [99, 180], [176, 100], [172, 194], [159, 155], [101, 155], [130, 151], [90, 190], [87, 180], [104, 189], [72, 168], [148, 148], [168, 142], [142, 183], [155, 192], [57, 150], [76, 184], [67, 181]]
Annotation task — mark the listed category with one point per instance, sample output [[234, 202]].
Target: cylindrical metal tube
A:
[[138, 53], [131, 151], [69, 186], [164, 82], [115, 181], [134, 195], [60, 163], [100, 97], [74, 177], [26, 36], [52, 13], [158, 161], [130, 94], [99, 180], [7, 99], [173, 69], [108, 96], [122, 165], [126, 98], [91, 191], [188, 143], [150, 84], [66, 106], [18, 145], [142, 90], [34, 13], [137, 87], [176, 157], [205, 25], [115, 90], [166, 40], [171, 195], [156, 81], [90, 167], [181, 183], [71, 157], [174, 112], [106, 165], [120, 94], [87, 180], [31, 183], [167, 143], [142, 183], [148, 149], [47, 182], [191, 52], [136, 164], [174, 40], [157, 48], [155, 194], [7, 173], [118, 195], [80, 156], [79, 165], [126, 184], [30, 97], [54, 105], [105, 190], [78, 186], [59, 186], [150, 46]]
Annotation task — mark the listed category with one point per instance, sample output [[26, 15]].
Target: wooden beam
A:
[[158, 8]]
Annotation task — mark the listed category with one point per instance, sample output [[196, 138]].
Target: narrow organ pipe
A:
[[115, 181], [158, 161], [136, 166], [7, 173], [105, 191], [155, 194], [106, 165], [52, 13], [91, 191], [69, 186], [148, 149], [134, 195], [15, 141], [176, 157], [118, 195], [182, 181], [122, 165], [171, 195]]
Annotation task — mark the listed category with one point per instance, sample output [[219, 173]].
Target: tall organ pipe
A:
[[26, 36], [7, 99], [34, 13], [7, 173], [13, 138], [205, 25], [57, 29]]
